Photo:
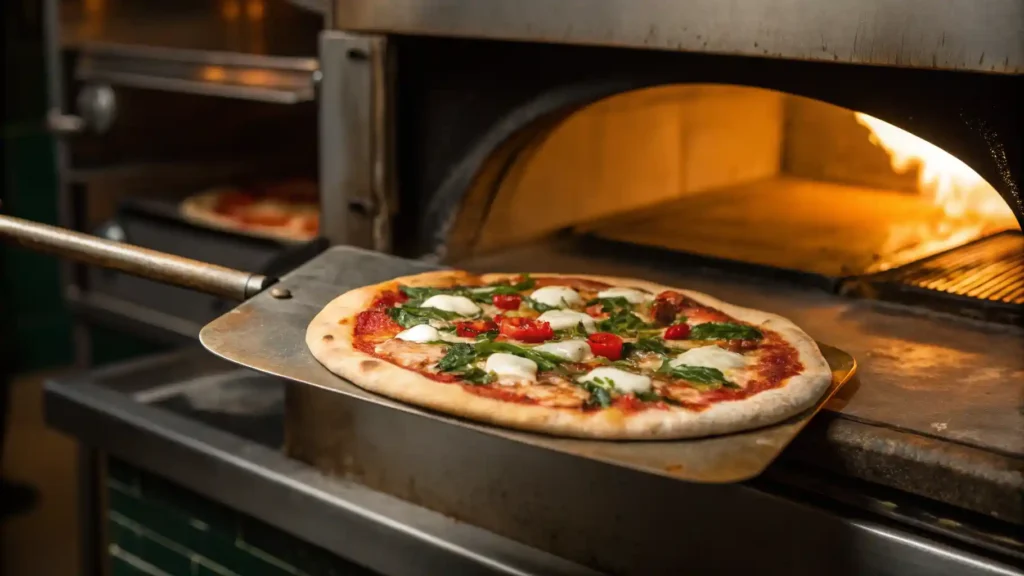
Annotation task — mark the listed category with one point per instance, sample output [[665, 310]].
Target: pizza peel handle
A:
[[159, 266]]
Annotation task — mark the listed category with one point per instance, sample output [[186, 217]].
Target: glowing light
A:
[[950, 183]]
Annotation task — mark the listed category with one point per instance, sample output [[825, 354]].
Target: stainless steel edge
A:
[[355, 140], [946, 34], [192, 56], [378, 531]]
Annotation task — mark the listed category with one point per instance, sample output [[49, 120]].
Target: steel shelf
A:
[[275, 79]]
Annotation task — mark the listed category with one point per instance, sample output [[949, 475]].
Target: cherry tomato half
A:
[[677, 332], [507, 301], [605, 344], [474, 328], [526, 329]]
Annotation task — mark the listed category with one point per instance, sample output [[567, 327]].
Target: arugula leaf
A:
[[457, 356], [611, 305], [599, 395], [697, 376], [623, 323], [647, 344], [544, 360], [724, 331], [409, 316], [478, 376], [649, 396], [538, 306], [576, 332]]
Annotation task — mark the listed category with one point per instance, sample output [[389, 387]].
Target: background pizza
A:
[[287, 210], [571, 355]]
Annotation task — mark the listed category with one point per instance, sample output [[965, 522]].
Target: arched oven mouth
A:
[[734, 180]]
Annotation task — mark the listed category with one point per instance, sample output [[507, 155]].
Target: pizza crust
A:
[[331, 344], [200, 209]]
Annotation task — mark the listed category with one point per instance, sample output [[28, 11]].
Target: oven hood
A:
[[956, 35]]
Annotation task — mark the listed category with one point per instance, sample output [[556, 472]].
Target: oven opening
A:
[[767, 182]]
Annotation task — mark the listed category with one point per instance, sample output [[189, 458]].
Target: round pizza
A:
[[286, 211], [580, 356]]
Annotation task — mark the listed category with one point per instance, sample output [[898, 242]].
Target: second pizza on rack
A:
[[287, 210]]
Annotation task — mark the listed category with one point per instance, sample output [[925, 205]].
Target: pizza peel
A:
[[267, 333]]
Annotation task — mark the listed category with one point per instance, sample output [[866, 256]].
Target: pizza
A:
[[286, 210], [579, 356]]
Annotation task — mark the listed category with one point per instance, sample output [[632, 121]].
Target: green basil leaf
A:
[[457, 357], [575, 333], [599, 395], [612, 305], [487, 336], [623, 323], [724, 331], [409, 316], [544, 360], [478, 376], [696, 376], [538, 306], [649, 396], [646, 344]]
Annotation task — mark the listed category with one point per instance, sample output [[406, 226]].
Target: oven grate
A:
[[983, 279]]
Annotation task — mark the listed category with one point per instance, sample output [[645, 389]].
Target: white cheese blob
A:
[[622, 380], [511, 369], [458, 304], [571, 350], [421, 333], [563, 319], [557, 296], [710, 357], [631, 295]]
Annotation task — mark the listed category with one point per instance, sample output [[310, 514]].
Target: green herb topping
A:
[[409, 316], [724, 331], [697, 376]]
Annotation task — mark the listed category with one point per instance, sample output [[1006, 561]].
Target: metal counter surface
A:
[[216, 429]]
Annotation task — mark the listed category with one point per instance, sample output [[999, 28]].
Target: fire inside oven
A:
[[777, 184]]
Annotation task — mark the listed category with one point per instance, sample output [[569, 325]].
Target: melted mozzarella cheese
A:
[[511, 369], [563, 319], [710, 357], [421, 333], [631, 295], [557, 296], [458, 304], [622, 380], [571, 350]]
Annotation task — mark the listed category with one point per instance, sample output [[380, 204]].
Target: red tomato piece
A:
[[507, 301], [677, 332], [474, 328], [375, 322], [526, 329], [389, 298], [605, 344]]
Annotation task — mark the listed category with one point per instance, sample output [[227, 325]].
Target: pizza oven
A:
[[854, 167]]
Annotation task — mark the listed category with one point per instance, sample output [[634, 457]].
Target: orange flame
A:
[[950, 183]]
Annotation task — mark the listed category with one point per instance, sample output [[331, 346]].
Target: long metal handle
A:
[[167, 268]]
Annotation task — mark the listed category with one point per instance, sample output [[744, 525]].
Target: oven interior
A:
[[767, 184]]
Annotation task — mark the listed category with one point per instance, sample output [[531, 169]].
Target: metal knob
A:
[[97, 109]]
